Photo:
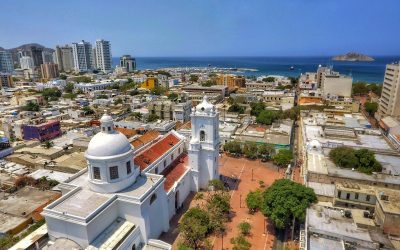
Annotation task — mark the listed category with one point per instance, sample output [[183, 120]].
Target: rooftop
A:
[[174, 172], [155, 151]]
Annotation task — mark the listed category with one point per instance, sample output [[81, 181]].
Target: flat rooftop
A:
[[323, 243], [25, 201], [85, 201], [331, 222]]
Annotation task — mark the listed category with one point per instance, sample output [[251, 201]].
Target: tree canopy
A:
[[363, 160], [371, 107], [362, 88], [283, 157], [51, 94], [267, 117], [31, 106], [236, 108], [285, 200]]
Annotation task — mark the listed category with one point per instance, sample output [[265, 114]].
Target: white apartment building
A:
[[389, 103], [26, 62], [103, 55], [83, 56], [65, 58]]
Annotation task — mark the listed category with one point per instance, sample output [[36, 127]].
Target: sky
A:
[[208, 27]]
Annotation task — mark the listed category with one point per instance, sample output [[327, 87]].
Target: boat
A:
[[291, 68]]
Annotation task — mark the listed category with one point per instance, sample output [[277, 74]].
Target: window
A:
[[339, 194], [109, 128], [103, 128], [165, 163], [356, 196], [114, 173], [156, 170], [347, 196], [128, 167], [153, 198], [202, 135], [172, 157], [367, 198], [96, 173]]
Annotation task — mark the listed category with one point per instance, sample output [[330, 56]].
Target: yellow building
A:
[[230, 80], [150, 83]]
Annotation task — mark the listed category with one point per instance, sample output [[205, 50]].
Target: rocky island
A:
[[354, 57]]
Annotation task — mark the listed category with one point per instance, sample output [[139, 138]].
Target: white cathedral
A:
[[126, 197]]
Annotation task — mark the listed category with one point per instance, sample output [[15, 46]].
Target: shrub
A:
[[244, 228], [240, 243]]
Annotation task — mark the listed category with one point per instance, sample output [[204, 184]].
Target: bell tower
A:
[[204, 144]]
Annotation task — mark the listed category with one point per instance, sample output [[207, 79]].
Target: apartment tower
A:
[[103, 55], [389, 103]]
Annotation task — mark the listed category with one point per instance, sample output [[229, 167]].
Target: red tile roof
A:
[[148, 156], [128, 132], [174, 172], [146, 138]]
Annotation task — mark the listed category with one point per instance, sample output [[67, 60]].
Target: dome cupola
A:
[[110, 159], [205, 106]]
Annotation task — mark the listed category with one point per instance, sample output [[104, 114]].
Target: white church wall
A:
[[183, 187], [102, 220], [132, 212], [58, 228], [156, 213]]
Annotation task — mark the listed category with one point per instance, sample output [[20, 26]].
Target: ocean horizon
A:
[[372, 72]]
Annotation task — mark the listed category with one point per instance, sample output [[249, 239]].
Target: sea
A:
[[372, 72]]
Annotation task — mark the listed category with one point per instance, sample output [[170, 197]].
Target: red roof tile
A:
[[148, 156], [128, 132], [146, 138], [174, 172]]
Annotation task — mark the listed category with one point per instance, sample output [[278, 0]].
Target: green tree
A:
[[256, 108], [269, 79], [137, 115], [283, 157], [193, 78], [233, 147], [218, 208], [265, 151], [51, 94], [254, 200], [152, 118], [267, 117], [208, 83], [244, 228], [363, 88], [63, 77], [344, 157], [250, 150], [371, 107], [194, 227], [217, 184], [286, 200], [173, 96], [102, 96], [367, 162], [87, 110], [85, 79], [47, 144], [159, 90], [118, 101], [31, 106], [240, 243], [69, 87], [236, 108]]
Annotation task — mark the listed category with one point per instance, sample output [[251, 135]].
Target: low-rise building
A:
[[42, 132]]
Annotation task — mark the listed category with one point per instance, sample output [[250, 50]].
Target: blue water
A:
[[360, 71]]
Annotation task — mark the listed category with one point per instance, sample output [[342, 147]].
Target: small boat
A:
[[291, 68]]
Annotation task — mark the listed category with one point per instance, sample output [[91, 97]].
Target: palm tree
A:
[[47, 144]]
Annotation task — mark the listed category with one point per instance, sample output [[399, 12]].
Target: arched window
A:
[[202, 135]]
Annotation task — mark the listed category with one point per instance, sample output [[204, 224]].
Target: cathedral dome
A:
[[205, 106], [108, 142]]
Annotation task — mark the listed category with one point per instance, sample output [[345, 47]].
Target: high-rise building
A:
[[26, 62], [6, 63], [390, 98], [128, 62], [64, 58], [37, 55], [103, 55], [49, 71], [47, 56], [95, 65], [83, 56], [6, 80]]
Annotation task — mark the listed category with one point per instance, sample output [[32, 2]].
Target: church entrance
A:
[[176, 200]]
